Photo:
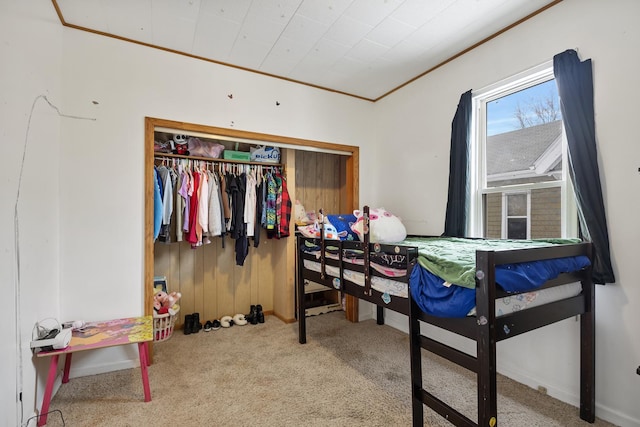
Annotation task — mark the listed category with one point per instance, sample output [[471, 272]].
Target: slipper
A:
[[226, 321], [239, 319]]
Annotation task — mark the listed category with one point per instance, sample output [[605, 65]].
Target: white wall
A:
[[29, 129], [420, 117], [101, 161]]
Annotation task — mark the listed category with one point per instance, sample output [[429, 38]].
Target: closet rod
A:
[[159, 155]]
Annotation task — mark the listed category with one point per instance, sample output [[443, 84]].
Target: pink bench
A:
[[95, 335]]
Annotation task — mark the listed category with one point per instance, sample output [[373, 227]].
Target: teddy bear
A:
[[165, 302]]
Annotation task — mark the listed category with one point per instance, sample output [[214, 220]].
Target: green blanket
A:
[[454, 259]]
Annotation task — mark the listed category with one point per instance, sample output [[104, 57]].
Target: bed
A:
[[396, 276]]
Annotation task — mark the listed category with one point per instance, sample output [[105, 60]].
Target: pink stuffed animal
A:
[[164, 302]]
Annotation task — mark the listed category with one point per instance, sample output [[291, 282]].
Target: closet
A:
[[318, 174]]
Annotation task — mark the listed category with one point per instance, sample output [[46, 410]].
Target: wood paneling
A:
[[321, 182], [210, 281]]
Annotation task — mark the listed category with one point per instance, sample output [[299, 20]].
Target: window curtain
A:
[[455, 224], [575, 87]]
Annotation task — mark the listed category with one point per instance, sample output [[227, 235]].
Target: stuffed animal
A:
[[179, 145], [301, 216], [313, 230], [165, 302], [385, 227]]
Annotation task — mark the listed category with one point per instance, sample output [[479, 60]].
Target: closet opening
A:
[[318, 174]]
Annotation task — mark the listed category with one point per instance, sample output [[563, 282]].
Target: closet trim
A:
[[155, 124]]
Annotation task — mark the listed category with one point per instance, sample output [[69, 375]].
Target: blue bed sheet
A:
[[436, 298]]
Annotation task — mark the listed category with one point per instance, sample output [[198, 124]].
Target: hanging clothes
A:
[[250, 203], [285, 208], [215, 214], [272, 194], [203, 208], [239, 227], [259, 210], [193, 211], [193, 202], [179, 203], [157, 205], [166, 182]]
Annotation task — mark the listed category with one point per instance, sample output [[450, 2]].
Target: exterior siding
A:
[[545, 214]]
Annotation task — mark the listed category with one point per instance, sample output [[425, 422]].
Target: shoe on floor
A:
[[207, 326], [226, 321], [215, 325], [188, 324], [252, 317], [259, 313]]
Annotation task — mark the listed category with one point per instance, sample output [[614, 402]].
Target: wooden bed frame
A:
[[484, 328]]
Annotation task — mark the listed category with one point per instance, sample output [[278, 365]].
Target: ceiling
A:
[[362, 48]]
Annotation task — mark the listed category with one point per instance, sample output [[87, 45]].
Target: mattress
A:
[[457, 301]]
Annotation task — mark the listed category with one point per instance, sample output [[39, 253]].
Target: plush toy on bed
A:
[[313, 230], [385, 227], [301, 216]]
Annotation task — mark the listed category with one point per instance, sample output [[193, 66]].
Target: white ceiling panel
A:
[[324, 12], [367, 51], [372, 12], [347, 31], [305, 30], [135, 24], [232, 10], [85, 13], [390, 32], [215, 36], [363, 48], [248, 53]]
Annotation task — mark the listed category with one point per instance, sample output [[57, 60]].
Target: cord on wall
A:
[[16, 237]]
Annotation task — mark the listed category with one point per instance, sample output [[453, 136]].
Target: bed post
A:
[[486, 339], [379, 315], [302, 318], [415, 355], [588, 349]]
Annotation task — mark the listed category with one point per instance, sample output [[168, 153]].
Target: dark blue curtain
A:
[[575, 86], [455, 223]]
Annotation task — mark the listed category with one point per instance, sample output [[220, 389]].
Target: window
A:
[[520, 186]]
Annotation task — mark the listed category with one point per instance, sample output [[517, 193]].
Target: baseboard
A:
[[603, 412], [83, 371]]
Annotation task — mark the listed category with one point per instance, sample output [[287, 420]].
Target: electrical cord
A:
[[16, 237], [35, 417]]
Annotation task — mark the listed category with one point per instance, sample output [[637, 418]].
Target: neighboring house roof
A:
[[530, 152]]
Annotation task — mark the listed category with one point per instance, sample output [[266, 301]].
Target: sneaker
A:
[[215, 325], [207, 326]]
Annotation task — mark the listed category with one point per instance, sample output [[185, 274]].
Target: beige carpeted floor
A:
[[258, 375]]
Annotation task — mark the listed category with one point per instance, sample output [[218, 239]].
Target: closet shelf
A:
[[158, 154]]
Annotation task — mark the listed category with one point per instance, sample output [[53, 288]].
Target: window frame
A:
[[505, 212], [477, 164]]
